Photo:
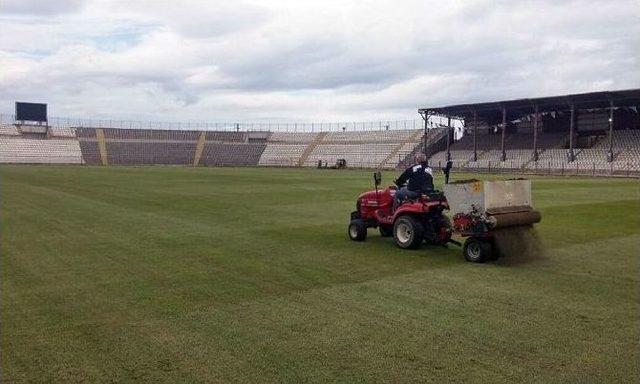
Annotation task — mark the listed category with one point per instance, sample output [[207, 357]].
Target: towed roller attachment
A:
[[501, 204], [485, 211], [513, 219]]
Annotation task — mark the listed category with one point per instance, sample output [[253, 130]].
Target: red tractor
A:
[[479, 209], [413, 222]]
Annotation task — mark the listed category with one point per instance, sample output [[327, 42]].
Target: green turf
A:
[[246, 275]]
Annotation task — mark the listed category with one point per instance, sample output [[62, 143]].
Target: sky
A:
[[322, 61]]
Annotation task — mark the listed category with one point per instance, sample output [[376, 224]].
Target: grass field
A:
[[247, 275]]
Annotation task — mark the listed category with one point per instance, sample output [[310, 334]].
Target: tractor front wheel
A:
[[357, 230], [408, 232], [476, 250]]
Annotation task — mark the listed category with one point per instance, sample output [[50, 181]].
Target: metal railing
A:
[[349, 126]]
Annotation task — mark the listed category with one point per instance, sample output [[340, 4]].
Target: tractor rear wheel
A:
[[436, 235], [476, 250], [408, 232], [357, 230]]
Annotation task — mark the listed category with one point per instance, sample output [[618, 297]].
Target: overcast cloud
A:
[[307, 60]]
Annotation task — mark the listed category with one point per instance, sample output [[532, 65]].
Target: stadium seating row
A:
[[361, 149], [368, 155], [29, 151], [293, 137], [9, 130], [61, 132], [231, 154], [281, 155], [150, 134], [394, 136], [551, 156], [149, 153]]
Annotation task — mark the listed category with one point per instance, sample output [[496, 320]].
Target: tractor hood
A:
[[373, 198]]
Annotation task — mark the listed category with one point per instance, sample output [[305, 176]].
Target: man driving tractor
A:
[[418, 179]]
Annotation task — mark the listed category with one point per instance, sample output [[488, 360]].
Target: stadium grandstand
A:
[[372, 146], [595, 133], [592, 133]]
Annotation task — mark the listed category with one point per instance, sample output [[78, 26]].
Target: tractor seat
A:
[[433, 195]]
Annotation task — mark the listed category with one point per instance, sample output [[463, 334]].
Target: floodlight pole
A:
[[504, 130]]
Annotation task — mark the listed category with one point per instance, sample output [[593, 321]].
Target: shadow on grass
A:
[[435, 255]]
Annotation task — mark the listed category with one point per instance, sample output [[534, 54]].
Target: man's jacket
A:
[[419, 178]]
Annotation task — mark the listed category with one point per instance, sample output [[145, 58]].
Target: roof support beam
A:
[[610, 154], [448, 137], [425, 137], [536, 117], [475, 132], [572, 134]]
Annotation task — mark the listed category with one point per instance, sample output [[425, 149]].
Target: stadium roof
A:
[[490, 111]]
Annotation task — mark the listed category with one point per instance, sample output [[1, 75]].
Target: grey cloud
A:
[[220, 21], [200, 19], [40, 8], [487, 51]]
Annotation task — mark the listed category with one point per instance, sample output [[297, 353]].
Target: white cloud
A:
[[325, 60]]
